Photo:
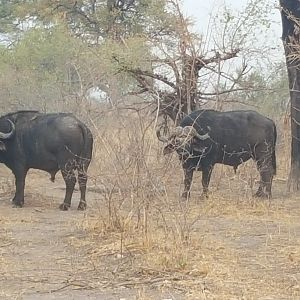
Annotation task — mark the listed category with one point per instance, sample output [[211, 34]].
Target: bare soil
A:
[[238, 248]]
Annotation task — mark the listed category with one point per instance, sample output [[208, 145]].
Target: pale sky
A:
[[200, 11]]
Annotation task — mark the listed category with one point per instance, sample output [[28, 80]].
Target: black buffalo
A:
[[207, 137], [49, 142]]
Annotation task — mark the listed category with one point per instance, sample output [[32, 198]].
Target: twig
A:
[[71, 284]]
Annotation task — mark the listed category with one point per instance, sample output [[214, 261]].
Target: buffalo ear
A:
[[2, 146]]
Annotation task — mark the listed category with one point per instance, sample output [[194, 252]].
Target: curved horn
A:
[[158, 134], [192, 132], [202, 137], [7, 135]]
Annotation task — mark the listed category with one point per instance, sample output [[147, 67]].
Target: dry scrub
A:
[[138, 236], [141, 234]]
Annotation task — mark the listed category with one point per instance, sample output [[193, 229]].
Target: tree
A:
[[290, 15], [181, 74], [41, 70], [92, 20], [147, 48], [103, 25], [268, 93]]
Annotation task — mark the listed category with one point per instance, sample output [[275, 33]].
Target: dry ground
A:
[[227, 247]]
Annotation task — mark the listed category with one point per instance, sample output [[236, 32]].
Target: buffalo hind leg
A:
[[265, 185], [70, 180], [20, 175], [206, 174], [188, 178], [266, 177], [82, 180]]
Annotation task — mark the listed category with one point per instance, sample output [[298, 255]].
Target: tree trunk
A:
[[294, 85], [290, 13]]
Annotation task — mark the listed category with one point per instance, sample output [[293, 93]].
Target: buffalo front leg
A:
[[70, 180], [188, 178], [18, 200], [206, 174]]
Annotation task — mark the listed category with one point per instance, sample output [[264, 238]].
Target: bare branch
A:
[[201, 62], [159, 77]]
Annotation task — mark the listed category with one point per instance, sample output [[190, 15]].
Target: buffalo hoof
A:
[[261, 194], [204, 196], [17, 204], [185, 196], [64, 207], [82, 205]]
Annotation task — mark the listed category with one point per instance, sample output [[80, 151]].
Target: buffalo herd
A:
[[59, 141]]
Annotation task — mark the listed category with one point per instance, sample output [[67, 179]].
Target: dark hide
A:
[[234, 137], [49, 142]]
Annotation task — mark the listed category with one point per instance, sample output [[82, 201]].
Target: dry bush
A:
[[147, 235], [138, 232]]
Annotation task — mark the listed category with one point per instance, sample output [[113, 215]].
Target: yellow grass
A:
[[138, 234], [230, 246]]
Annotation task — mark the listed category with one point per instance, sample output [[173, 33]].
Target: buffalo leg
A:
[[266, 176], [188, 178], [70, 180], [82, 179], [206, 174], [265, 185], [18, 200]]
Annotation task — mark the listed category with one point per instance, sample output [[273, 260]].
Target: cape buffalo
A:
[[49, 142], [207, 137]]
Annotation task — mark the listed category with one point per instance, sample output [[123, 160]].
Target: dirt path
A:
[[39, 261], [36, 259]]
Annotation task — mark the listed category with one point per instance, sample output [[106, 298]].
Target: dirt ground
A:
[[237, 250]]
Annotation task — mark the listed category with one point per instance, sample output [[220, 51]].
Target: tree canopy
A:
[[132, 49]]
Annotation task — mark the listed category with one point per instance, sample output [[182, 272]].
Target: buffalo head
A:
[[183, 140], [6, 135]]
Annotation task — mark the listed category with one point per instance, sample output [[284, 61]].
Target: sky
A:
[[200, 11]]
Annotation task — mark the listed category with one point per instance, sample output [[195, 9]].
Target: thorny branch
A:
[[185, 85]]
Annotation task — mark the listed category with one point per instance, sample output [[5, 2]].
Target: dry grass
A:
[[138, 234], [238, 252], [230, 246]]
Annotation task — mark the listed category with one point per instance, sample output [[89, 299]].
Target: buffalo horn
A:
[[158, 134], [202, 137], [7, 135], [192, 132]]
